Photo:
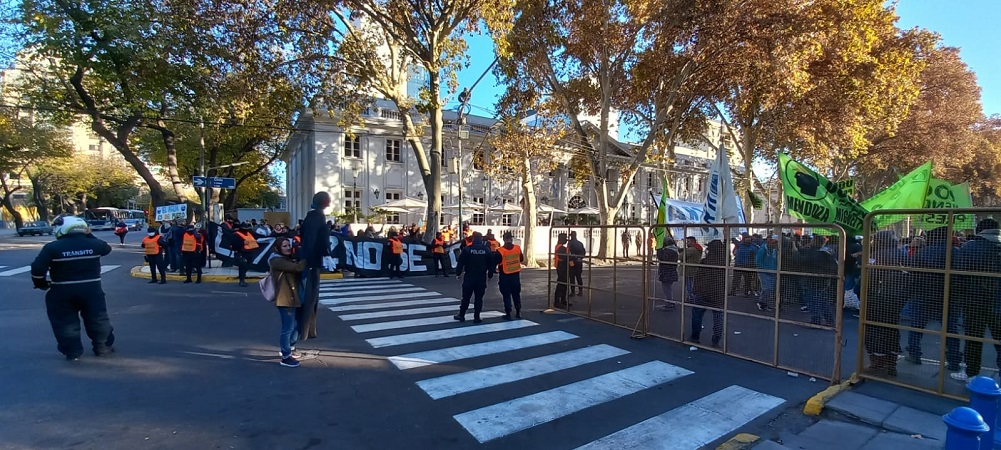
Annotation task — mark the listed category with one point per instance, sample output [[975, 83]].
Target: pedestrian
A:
[[510, 258], [818, 289], [767, 261], [929, 292], [886, 298], [978, 296], [153, 247], [244, 246], [121, 230], [562, 263], [625, 242], [743, 258], [395, 257], [315, 246], [479, 264], [710, 291], [438, 253], [577, 253], [667, 270], [639, 244], [689, 257], [191, 250], [73, 261], [286, 272]]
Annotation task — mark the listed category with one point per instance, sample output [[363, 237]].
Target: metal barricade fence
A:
[[610, 290], [930, 291], [787, 313]]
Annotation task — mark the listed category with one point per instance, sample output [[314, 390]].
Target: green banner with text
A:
[[943, 194], [907, 193], [816, 199]]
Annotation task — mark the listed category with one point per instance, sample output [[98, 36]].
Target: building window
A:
[[577, 202], [352, 147], [92, 147], [352, 200], [651, 180], [507, 220], [478, 200], [477, 219], [479, 160], [393, 149], [391, 196]]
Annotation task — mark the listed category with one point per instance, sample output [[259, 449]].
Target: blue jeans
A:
[[820, 304], [689, 289], [920, 317], [697, 316], [668, 290], [767, 281], [289, 335]]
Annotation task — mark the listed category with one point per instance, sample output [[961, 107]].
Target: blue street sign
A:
[[222, 183], [198, 181]]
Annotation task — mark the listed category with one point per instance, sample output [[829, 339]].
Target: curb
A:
[[739, 442], [137, 273], [815, 405]]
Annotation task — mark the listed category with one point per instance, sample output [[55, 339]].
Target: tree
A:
[[357, 48], [524, 152], [24, 143], [80, 182]]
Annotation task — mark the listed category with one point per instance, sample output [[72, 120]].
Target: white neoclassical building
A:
[[372, 164]]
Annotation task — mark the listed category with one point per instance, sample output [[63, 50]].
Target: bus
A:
[[134, 218], [103, 218]]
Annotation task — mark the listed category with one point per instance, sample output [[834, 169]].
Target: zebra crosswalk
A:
[[409, 327], [26, 269]]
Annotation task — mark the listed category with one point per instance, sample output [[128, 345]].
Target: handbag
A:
[[269, 287]]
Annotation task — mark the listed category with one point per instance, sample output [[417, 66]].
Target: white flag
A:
[[722, 204]]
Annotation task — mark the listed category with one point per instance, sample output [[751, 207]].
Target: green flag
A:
[[943, 194], [848, 186], [658, 233], [908, 192], [816, 199]]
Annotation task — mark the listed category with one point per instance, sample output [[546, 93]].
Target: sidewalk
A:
[[872, 416], [218, 274]]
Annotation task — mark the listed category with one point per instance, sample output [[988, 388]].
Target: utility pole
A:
[[460, 122]]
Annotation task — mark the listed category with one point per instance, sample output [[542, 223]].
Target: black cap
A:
[[151, 229], [507, 234], [477, 237]]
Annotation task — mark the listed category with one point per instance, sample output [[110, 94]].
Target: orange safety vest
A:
[[190, 243], [397, 246], [151, 245], [468, 233], [297, 239], [446, 235], [556, 260], [494, 245], [510, 260], [438, 246], [469, 241], [249, 243]]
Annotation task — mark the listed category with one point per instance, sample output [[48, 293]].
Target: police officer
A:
[[510, 258], [73, 261], [479, 263], [153, 246], [562, 263], [191, 251]]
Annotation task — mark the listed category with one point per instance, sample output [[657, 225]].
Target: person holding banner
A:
[[315, 236]]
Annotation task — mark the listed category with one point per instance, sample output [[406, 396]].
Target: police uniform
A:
[[510, 258], [479, 263], [73, 261], [153, 246], [395, 256], [191, 251]]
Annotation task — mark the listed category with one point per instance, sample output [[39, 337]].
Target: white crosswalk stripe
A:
[[421, 359], [410, 323], [686, 427], [353, 280], [1, 267], [109, 268], [16, 271], [398, 312], [459, 383], [376, 284]]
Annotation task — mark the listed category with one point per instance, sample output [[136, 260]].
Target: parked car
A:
[[35, 228]]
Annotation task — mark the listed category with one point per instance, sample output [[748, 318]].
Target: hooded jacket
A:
[[667, 270]]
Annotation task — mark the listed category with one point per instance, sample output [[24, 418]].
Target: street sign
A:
[[198, 181], [222, 183]]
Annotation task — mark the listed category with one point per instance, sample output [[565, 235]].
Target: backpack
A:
[[269, 287]]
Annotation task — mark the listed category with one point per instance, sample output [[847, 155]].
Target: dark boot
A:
[[460, 317], [507, 315], [891, 365], [476, 318], [187, 281], [517, 313], [154, 281]]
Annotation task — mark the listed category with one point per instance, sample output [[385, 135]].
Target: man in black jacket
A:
[[315, 246], [479, 263], [73, 261], [577, 254]]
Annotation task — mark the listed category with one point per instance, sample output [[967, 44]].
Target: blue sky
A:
[[967, 24]]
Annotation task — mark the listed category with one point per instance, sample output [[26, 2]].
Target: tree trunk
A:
[[8, 203], [38, 197], [169, 145], [530, 211], [606, 215], [432, 179]]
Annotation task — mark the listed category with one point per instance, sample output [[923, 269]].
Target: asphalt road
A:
[[197, 367]]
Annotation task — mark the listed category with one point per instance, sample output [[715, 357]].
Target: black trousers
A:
[[306, 314], [193, 260], [394, 265], [510, 289], [157, 264], [440, 264], [576, 276], [475, 290], [243, 263], [975, 321], [66, 305], [560, 296]]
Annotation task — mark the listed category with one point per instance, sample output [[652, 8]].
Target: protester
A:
[[667, 270], [395, 255], [767, 260], [818, 290], [243, 246], [315, 246], [691, 255], [978, 296], [479, 264], [886, 298], [286, 272], [576, 263], [743, 258], [710, 291], [438, 253], [929, 299]]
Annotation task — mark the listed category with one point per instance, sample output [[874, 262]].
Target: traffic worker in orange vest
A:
[[395, 255], [245, 246], [492, 241], [510, 258], [438, 252], [153, 246], [468, 239], [446, 234], [191, 251]]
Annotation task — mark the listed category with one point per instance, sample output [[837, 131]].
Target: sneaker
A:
[[243, 284], [154, 281], [290, 362], [507, 316], [477, 320], [804, 308], [73, 358], [763, 307], [459, 318], [959, 376], [666, 307], [163, 281], [913, 359]]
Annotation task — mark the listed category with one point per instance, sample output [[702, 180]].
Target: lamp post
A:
[[208, 198], [355, 170]]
